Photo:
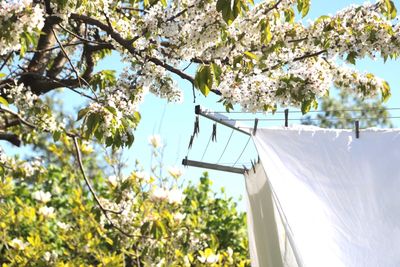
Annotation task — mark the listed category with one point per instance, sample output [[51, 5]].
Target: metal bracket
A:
[[218, 118]]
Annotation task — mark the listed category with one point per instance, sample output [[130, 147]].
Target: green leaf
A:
[[158, 229], [266, 35], [2, 75], [305, 8], [307, 104], [299, 5], [203, 79], [289, 15], [391, 10], [351, 57], [56, 136], [251, 55], [164, 3], [217, 71], [3, 101], [321, 18], [82, 113], [228, 14], [93, 122], [385, 91]]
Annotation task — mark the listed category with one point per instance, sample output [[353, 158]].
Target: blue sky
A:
[[174, 122]]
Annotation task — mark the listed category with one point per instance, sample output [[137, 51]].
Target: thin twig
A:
[[104, 210], [54, 47], [6, 60], [91, 189], [133, 9], [72, 65], [80, 37]]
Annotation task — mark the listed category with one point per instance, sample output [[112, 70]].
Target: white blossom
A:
[[159, 193], [42, 196], [155, 141], [50, 256], [210, 259], [18, 244], [179, 217], [175, 196], [47, 212], [112, 179], [63, 226], [175, 172]]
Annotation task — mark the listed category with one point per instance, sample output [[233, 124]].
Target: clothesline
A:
[[311, 119], [311, 111]]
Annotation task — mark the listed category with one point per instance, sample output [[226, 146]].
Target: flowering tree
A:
[[257, 56]]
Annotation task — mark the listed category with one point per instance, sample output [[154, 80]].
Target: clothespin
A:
[[286, 117], [214, 133], [255, 126], [191, 142], [196, 130], [357, 125], [253, 166], [258, 160], [245, 169]]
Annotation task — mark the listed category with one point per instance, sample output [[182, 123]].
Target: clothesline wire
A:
[[237, 163], [311, 111], [311, 119], [227, 143], [205, 150], [248, 140]]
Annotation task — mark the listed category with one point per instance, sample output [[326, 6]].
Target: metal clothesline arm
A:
[[199, 164], [221, 119]]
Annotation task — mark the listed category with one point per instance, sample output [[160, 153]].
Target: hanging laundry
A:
[[328, 198]]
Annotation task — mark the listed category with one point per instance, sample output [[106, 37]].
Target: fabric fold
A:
[[339, 196]]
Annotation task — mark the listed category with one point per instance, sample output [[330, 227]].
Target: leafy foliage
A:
[[49, 217], [340, 111]]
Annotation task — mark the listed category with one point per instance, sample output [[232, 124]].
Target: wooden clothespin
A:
[[245, 169], [357, 126], [214, 133], [286, 117], [258, 160], [255, 126], [253, 166], [191, 142], [196, 129]]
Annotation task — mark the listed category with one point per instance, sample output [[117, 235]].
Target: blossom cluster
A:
[[28, 103], [266, 56], [260, 58], [17, 17]]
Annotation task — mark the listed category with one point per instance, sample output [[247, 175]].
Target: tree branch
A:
[[91, 189], [39, 62], [12, 138], [127, 44], [305, 56]]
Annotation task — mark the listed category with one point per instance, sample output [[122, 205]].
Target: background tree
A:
[[340, 111], [49, 215]]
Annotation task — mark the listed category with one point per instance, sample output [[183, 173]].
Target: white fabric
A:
[[263, 233], [340, 196]]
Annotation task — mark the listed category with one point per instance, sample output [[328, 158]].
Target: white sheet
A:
[[340, 195]]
